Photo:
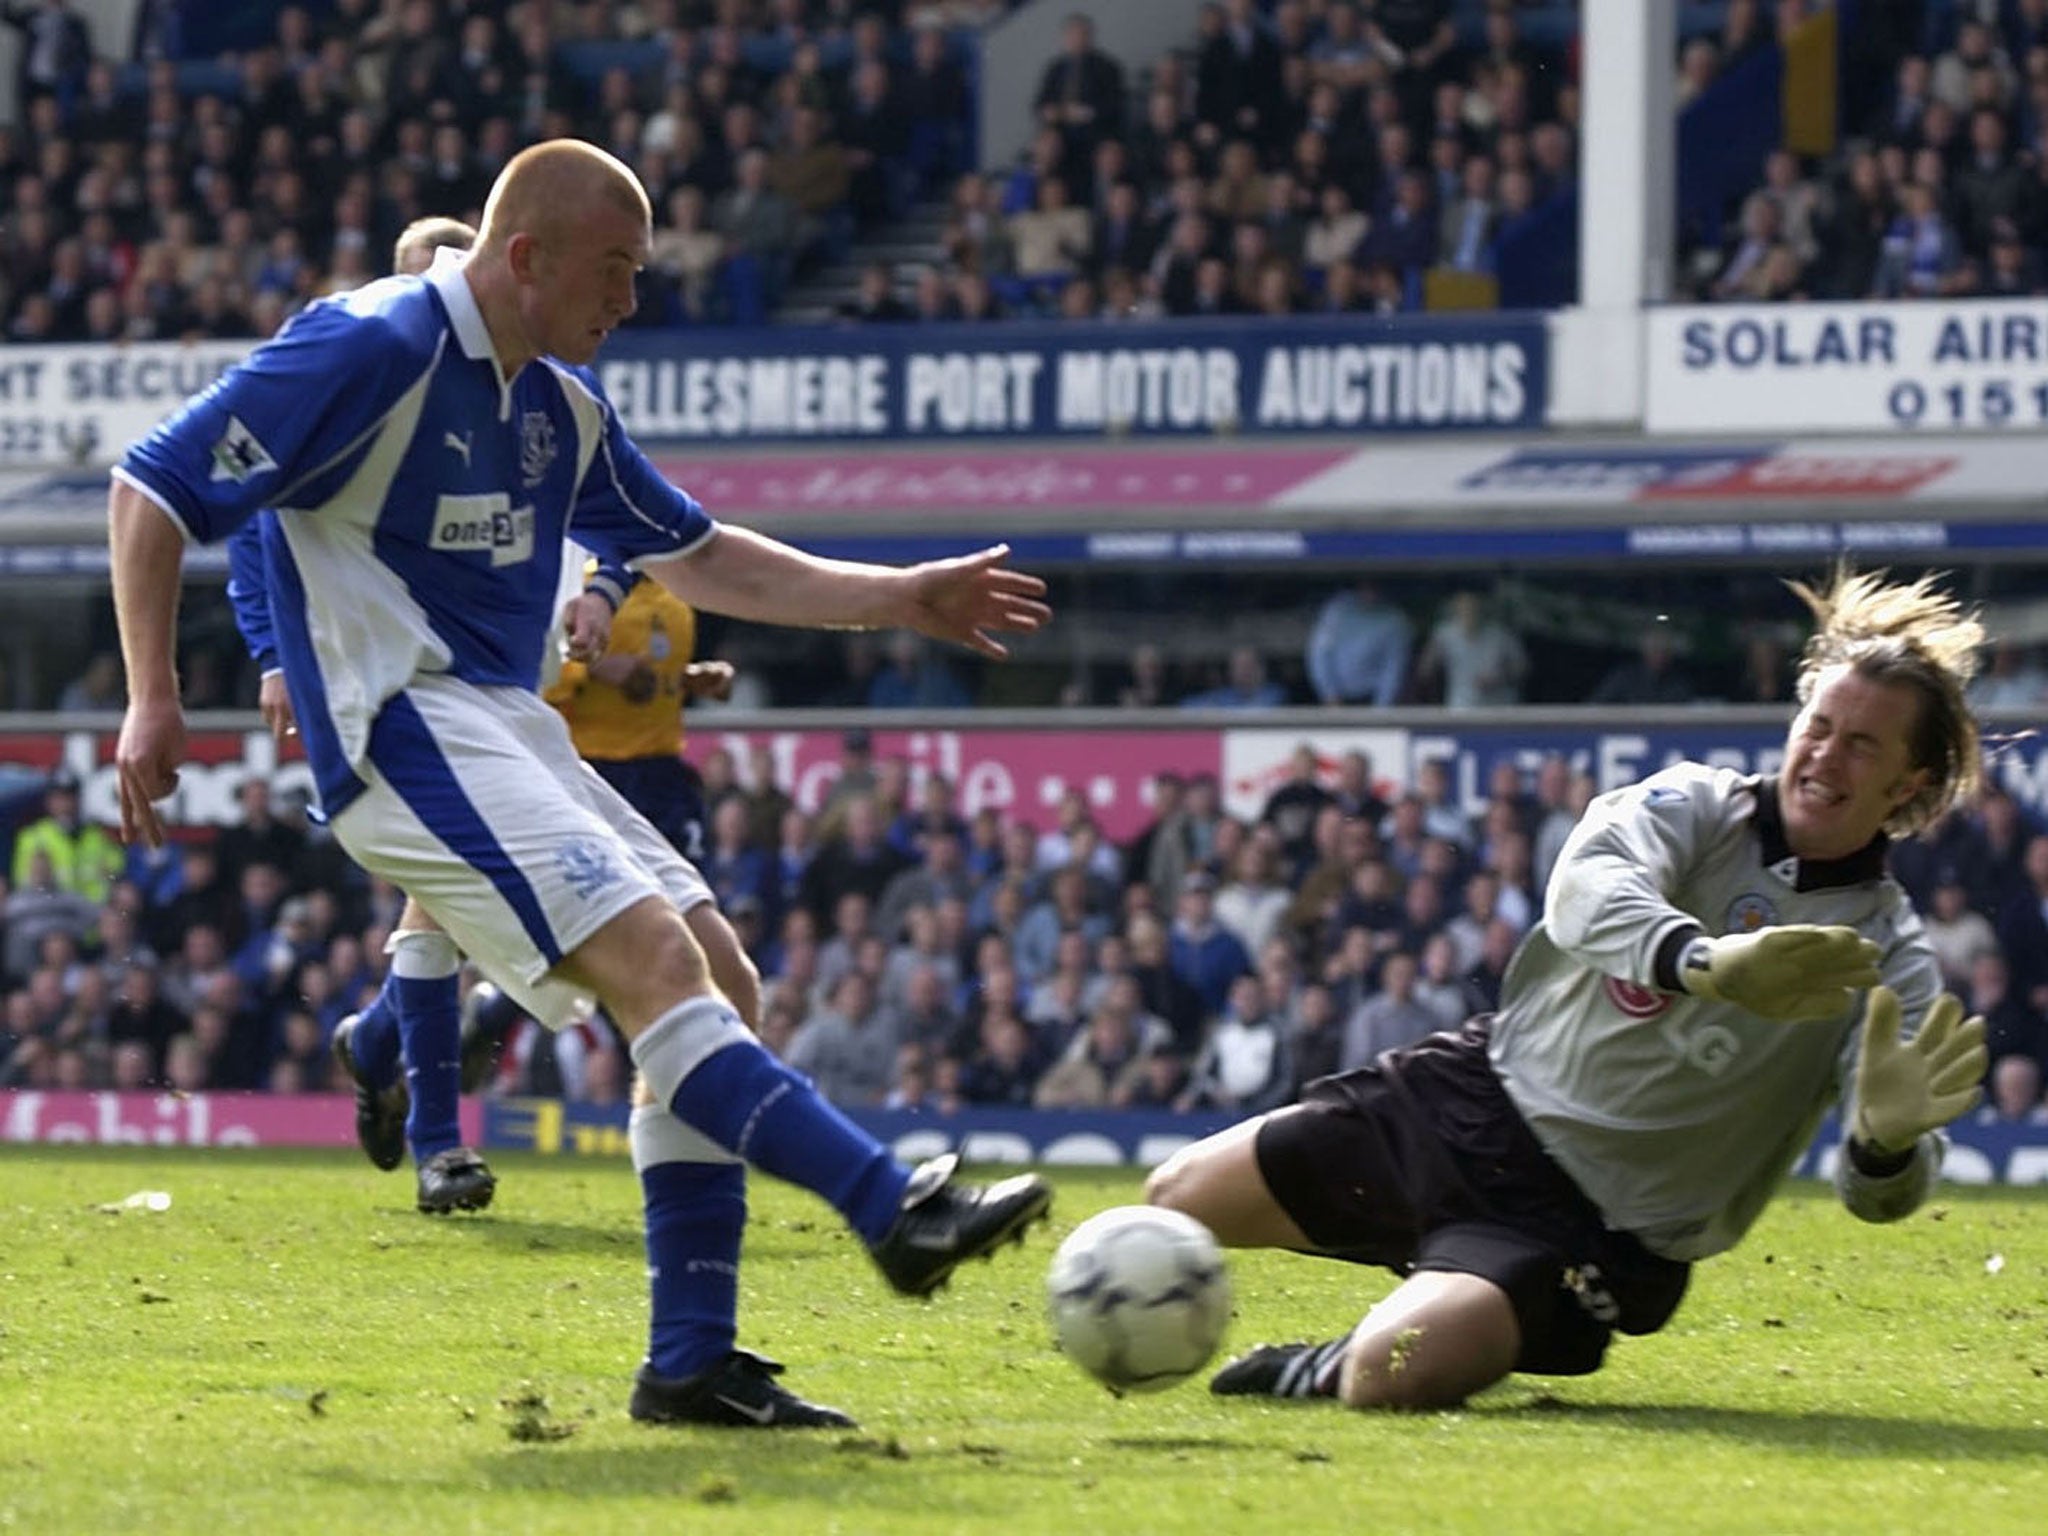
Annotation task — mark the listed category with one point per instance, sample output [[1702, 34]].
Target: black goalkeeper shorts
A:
[[1421, 1162]]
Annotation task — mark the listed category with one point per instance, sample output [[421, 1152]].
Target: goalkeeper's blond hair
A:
[[1911, 635]]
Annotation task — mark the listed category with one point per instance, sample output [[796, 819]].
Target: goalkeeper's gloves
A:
[[1796, 972], [1905, 1089]]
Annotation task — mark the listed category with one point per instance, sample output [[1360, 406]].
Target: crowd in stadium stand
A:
[[1298, 158], [1319, 155], [1941, 191], [180, 198], [916, 956]]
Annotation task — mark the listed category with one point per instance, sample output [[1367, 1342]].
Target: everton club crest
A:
[[536, 447]]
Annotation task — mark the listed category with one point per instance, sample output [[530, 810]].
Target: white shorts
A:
[[477, 806]]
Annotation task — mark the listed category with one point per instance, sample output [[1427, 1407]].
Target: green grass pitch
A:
[[289, 1347]]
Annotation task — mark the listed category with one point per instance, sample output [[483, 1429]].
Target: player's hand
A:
[[586, 626], [276, 705], [709, 680], [1799, 971], [971, 599], [1905, 1089], [146, 759]]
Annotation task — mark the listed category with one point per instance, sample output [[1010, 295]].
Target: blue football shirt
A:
[[422, 500]]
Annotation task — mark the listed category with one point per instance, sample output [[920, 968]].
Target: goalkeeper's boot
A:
[[943, 1221], [455, 1180], [1283, 1370], [380, 1112], [487, 1017], [739, 1392]]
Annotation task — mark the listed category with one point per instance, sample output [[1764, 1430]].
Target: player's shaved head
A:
[[414, 252], [566, 230], [550, 188]]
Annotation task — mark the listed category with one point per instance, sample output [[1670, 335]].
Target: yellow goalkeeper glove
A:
[[1792, 973], [1905, 1089]]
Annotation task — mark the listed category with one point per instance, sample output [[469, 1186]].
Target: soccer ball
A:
[[1139, 1297]]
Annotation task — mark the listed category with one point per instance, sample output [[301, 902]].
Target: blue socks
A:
[[375, 1041], [430, 1025], [773, 1116], [696, 1208], [421, 990]]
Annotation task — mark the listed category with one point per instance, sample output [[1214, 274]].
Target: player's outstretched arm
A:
[[969, 601], [147, 551]]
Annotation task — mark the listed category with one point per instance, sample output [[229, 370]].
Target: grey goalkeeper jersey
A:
[[1677, 1115]]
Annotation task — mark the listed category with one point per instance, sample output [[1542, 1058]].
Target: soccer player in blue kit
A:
[[406, 1053], [427, 446]]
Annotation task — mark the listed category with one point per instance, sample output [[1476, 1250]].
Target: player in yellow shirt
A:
[[625, 710]]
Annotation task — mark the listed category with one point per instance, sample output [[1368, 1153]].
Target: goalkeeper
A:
[[1721, 959]]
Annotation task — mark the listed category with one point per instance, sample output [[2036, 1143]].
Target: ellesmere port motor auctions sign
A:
[[80, 405], [947, 382], [1973, 365]]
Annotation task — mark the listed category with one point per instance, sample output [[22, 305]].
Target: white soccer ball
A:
[[1139, 1297]]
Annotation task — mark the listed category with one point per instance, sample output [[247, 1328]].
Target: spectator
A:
[[1295, 804], [1318, 1039], [1246, 686], [1413, 37], [1103, 1066], [934, 101], [859, 860], [99, 688], [1742, 32], [1123, 239], [1478, 658], [1957, 934], [1205, 955], [1470, 221], [1487, 977], [260, 837], [1081, 93], [1052, 239], [36, 908], [1338, 231], [1953, 80], [1699, 63], [1652, 678], [1065, 910], [876, 137], [1244, 1067], [811, 170], [82, 859], [2013, 269], [1237, 75], [1745, 270], [755, 218], [850, 1048], [687, 254], [1389, 1018], [56, 51], [1852, 234], [1251, 903], [2023, 928], [2013, 680], [2015, 1033], [1358, 651], [876, 301], [1921, 256], [1440, 985], [916, 676]]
